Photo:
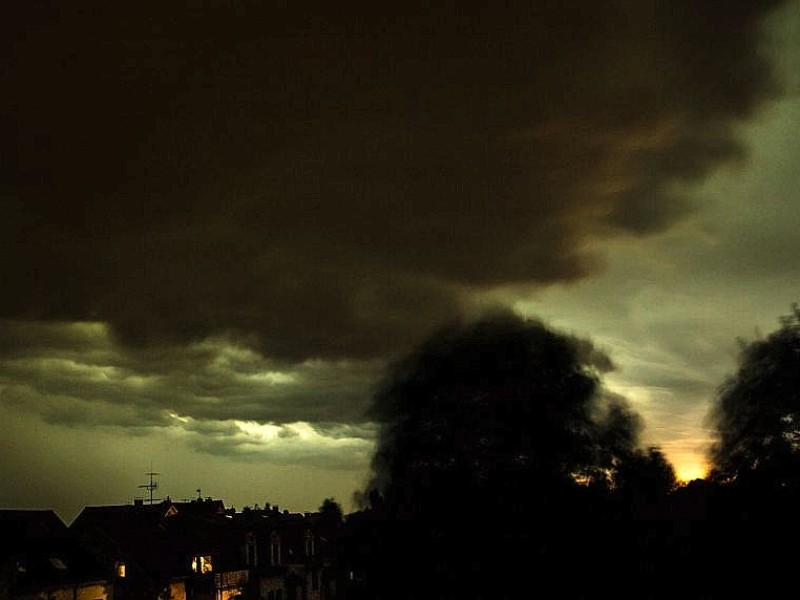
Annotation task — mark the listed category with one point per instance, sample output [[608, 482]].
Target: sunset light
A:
[[690, 471]]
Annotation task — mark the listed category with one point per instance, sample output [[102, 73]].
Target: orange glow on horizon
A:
[[689, 471]]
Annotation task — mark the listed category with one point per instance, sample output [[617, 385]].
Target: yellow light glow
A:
[[259, 432], [688, 471], [201, 564], [272, 377]]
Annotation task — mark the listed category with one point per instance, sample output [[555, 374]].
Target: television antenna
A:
[[151, 485]]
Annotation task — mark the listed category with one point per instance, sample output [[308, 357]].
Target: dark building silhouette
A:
[[200, 550], [40, 559]]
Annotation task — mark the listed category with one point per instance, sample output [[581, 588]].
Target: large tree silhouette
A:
[[757, 412], [756, 461], [646, 474], [498, 460], [501, 412]]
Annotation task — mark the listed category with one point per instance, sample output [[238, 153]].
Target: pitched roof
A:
[[15, 524], [40, 549], [160, 539]]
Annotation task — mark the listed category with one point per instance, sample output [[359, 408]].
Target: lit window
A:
[[201, 564], [121, 570]]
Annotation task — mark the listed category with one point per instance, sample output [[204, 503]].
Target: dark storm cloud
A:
[[213, 397], [318, 183], [74, 374]]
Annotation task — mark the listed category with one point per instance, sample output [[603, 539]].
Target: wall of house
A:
[[93, 592], [81, 592], [231, 584], [275, 585], [177, 591]]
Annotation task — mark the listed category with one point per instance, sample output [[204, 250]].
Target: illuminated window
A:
[[201, 564], [121, 571]]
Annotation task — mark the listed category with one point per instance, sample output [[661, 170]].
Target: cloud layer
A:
[[334, 184], [75, 374], [218, 224]]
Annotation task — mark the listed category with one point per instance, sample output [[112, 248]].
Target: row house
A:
[[165, 551], [195, 550], [40, 560], [292, 556], [198, 550]]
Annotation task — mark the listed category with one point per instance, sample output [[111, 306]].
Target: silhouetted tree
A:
[[646, 474], [503, 413], [756, 460], [331, 509], [498, 453], [757, 412]]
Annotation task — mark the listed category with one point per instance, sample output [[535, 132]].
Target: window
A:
[[275, 549], [202, 564], [251, 551], [309, 546], [121, 570]]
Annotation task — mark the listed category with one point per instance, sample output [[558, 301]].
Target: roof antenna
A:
[[152, 484]]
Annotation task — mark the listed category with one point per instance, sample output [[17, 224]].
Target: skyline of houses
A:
[[167, 550]]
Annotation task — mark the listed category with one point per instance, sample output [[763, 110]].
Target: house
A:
[[175, 551], [40, 560], [292, 556]]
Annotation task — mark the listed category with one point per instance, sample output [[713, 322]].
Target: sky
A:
[[222, 221]]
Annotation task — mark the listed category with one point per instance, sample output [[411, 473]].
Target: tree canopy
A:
[[502, 411], [331, 509], [646, 474], [501, 460], [757, 411]]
